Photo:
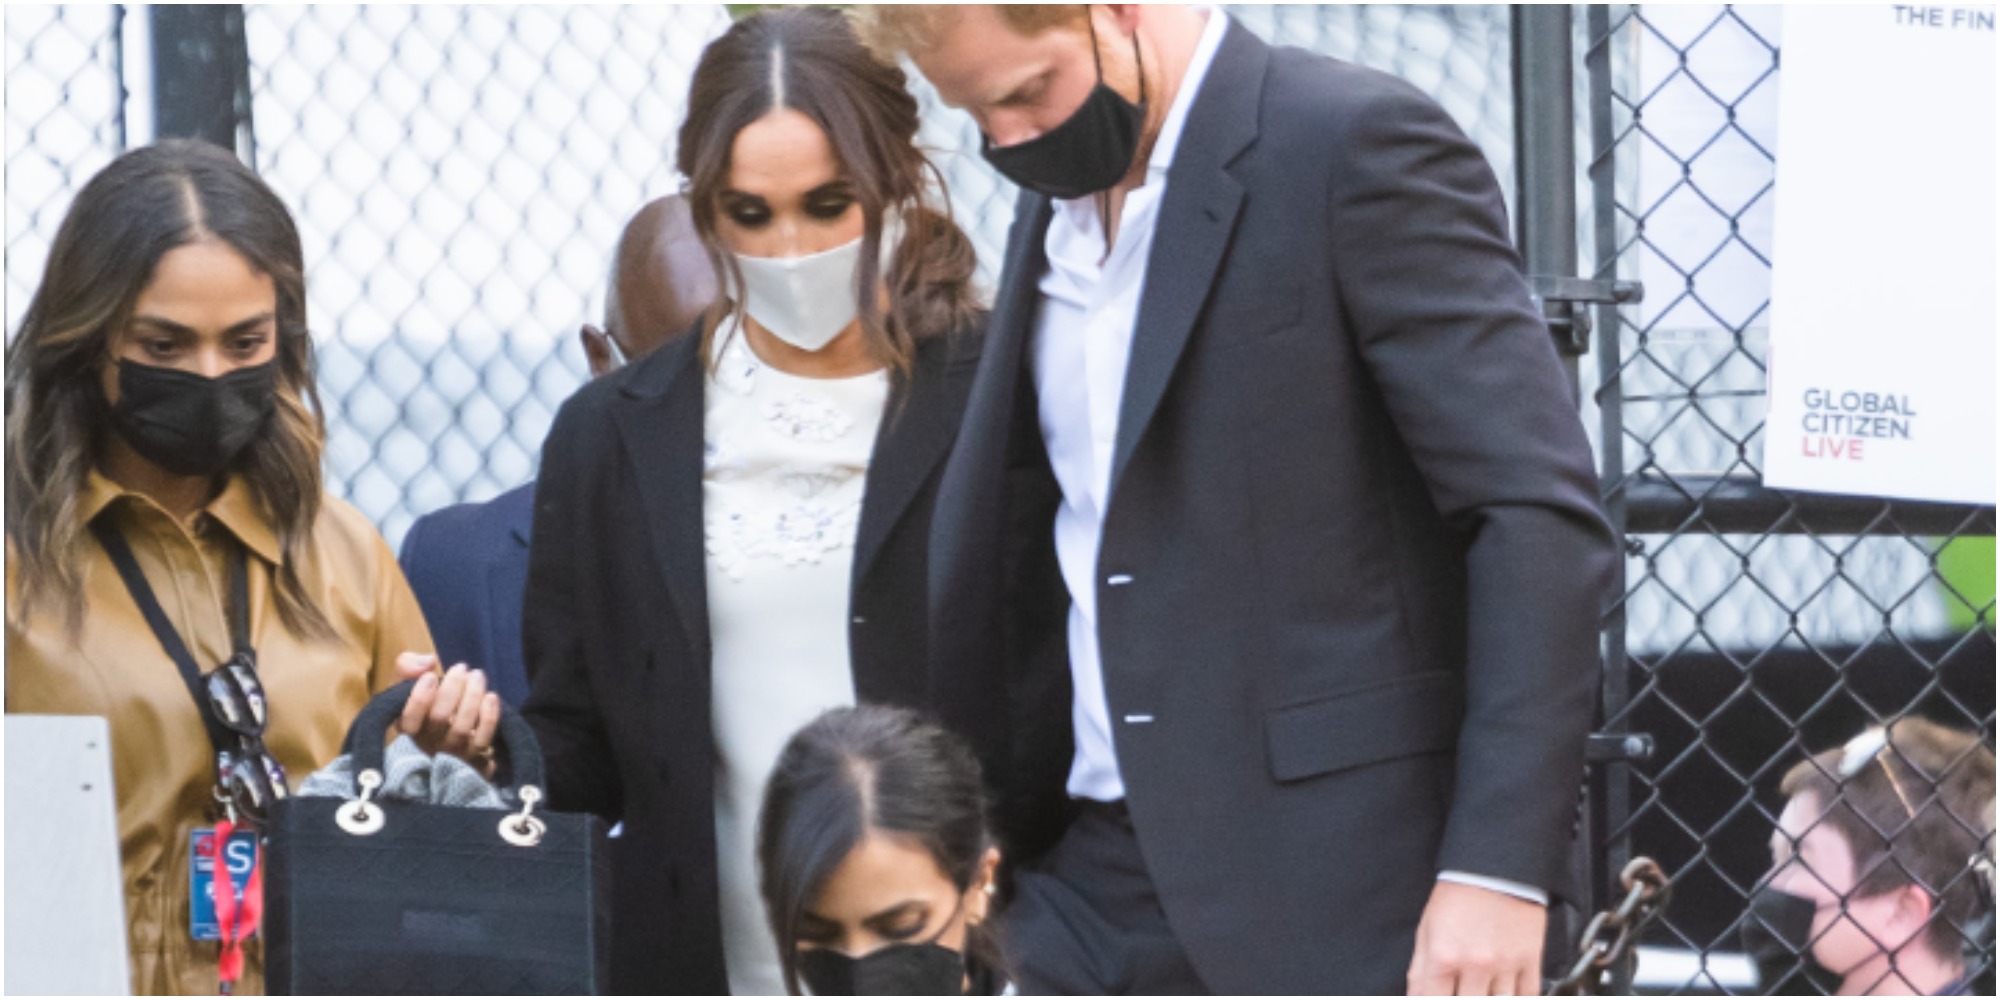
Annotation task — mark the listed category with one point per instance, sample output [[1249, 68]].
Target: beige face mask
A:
[[806, 301]]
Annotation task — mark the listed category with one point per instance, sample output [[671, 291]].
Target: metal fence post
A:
[[1610, 793], [201, 75], [1545, 157], [1545, 228]]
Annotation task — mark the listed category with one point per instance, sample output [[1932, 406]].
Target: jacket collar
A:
[[235, 508]]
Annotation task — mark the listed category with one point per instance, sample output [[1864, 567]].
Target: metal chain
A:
[[1608, 941]]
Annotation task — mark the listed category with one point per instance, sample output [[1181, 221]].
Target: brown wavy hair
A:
[[145, 203], [870, 120]]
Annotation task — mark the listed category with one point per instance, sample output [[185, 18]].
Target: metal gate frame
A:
[[1583, 313]]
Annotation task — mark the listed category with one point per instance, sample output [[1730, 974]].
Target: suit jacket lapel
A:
[[660, 422], [1192, 232]]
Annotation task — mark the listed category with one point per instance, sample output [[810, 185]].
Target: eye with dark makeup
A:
[[901, 923], [827, 202], [746, 210], [817, 930]]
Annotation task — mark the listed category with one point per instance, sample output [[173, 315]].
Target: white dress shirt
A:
[[1083, 339], [1082, 344]]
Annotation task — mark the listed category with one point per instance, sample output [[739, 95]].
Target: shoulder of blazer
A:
[[585, 423], [1329, 94]]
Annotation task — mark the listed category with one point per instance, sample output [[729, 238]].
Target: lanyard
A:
[[236, 922], [163, 628]]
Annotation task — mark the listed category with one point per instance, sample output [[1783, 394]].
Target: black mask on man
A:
[[899, 970], [1089, 152], [188, 424], [1777, 932]]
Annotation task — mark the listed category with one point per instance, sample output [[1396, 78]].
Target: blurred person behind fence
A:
[[1881, 867], [875, 861], [730, 534], [160, 405], [468, 563]]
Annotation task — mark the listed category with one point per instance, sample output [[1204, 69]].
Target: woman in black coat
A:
[[730, 534]]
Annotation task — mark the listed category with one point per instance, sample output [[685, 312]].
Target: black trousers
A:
[[1086, 919]]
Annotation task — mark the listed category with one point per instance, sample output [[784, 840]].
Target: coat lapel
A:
[[916, 433], [1193, 230], [968, 507], [660, 423], [968, 528]]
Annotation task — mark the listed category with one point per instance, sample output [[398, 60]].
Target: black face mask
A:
[[1089, 152], [190, 425], [899, 970], [1777, 932]]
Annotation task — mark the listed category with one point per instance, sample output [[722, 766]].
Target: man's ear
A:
[[1912, 915], [597, 350]]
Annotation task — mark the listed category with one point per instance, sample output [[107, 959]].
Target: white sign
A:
[[1883, 270], [65, 886]]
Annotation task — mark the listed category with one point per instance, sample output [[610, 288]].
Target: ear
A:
[[1912, 915], [597, 350], [985, 884]]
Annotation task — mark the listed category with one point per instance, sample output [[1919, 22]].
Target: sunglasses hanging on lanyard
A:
[[234, 711]]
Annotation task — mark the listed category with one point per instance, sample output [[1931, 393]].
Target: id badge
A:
[[239, 855]]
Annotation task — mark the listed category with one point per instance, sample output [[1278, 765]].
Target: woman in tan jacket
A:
[[161, 402]]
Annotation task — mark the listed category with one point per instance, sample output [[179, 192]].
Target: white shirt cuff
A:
[[1518, 890]]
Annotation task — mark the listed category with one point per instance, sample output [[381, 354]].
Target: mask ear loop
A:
[[1139, 67]]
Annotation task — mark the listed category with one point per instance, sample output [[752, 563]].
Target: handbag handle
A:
[[515, 738]]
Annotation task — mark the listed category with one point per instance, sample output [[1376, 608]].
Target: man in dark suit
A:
[[1270, 446], [468, 563]]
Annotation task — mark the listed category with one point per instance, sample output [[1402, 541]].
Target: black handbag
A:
[[364, 896]]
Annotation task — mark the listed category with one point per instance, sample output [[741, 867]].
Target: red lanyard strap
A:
[[234, 923]]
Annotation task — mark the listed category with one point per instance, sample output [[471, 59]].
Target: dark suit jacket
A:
[[468, 564], [616, 628], [1359, 518]]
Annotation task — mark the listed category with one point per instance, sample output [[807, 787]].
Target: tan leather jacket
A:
[[162, 763]]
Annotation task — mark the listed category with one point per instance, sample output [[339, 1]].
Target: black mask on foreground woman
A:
[[1777, 932], [188, 424], [902, 970]]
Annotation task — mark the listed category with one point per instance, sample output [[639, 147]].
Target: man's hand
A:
[[1477, 942]]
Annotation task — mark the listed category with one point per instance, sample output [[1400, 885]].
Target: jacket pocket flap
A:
[[1382, 721]]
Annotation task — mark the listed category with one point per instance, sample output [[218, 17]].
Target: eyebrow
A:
[[169, 326]]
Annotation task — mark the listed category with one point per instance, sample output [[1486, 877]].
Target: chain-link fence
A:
[[461, 173], [65, 120], [1756, 627]]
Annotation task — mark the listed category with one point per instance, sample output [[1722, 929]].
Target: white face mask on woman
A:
[[806, 301]]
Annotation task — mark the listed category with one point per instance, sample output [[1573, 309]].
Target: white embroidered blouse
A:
[[785, 464]]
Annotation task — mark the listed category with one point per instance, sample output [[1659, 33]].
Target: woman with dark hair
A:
[[165, 515], [877, 865], [730, 533]]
